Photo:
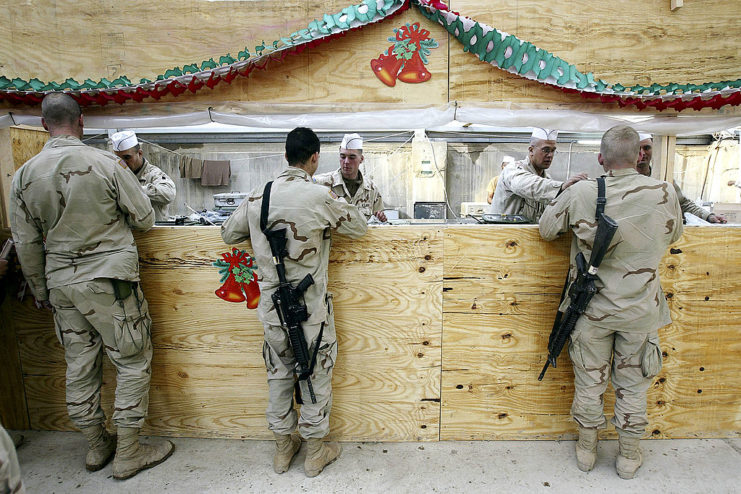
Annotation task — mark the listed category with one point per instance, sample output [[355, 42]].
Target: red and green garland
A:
[[500, 49]]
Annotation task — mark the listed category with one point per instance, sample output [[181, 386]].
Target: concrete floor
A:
[[53, 462]]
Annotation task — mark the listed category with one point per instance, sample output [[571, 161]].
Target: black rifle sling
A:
[[601, 201], [264, 226]]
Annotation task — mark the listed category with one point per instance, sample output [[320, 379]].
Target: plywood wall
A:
[[634, 41], [442, 332]]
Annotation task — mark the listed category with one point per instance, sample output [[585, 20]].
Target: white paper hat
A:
[[544, 134], [124, 140], [352, 141], [642, 136]]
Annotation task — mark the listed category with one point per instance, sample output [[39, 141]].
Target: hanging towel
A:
[[190, 167], [216, 173]]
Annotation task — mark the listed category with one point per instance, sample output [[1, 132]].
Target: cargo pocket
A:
[[575, 353], [651, 361], [327, 355], [131, 323]]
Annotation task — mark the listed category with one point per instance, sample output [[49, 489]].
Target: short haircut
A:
[[59, 109], [620, 145], [301, 143]]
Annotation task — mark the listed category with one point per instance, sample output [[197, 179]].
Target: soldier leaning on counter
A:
[[644, 168], [312, 213], [156, 184], [72, 209], [348, 182], [525, 187], [618, 332]]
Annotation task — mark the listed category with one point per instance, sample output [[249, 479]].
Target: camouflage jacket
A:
[[521, 190], [158, 187], [71, 212], [689, 206], [311, 213], [367, 198], [629, 296]]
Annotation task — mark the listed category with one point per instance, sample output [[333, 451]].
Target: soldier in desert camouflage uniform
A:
[[348, 182], [156, 184], [525, 187], [10, 471], [644, 168], [72, 209], [312, 213], [617, 336]]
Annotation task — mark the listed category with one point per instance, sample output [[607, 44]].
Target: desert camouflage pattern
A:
[[72, 208], [280, 364], [521, 190], [10, 470], [311, 213], [637, 359], [158, 187], [689, 206], [629, 296], [89, 321], [617, 335], [367, 198]]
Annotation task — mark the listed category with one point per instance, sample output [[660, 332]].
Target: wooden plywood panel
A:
[[13, 409], [27, 143], [635, 44], [208, 377], [491, 359]]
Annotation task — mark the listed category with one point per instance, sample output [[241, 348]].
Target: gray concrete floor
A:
[[53, 462]]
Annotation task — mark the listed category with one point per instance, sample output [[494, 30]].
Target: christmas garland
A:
[[194, 77], [507, 52], [498, 48]]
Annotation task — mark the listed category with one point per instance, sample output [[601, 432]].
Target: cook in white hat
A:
[[542, 149], [644, 158], [126, 146]]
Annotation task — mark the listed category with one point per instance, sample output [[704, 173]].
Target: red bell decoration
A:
[[414, 71], [231, 291], [385, 67]]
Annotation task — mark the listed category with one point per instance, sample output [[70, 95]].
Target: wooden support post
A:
[[7, 169], [664, 149]]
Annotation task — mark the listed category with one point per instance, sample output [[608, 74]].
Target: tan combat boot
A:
[[319, 454], [586, 449], [101, 447], [629, 456], [286, 447], [132, 457]]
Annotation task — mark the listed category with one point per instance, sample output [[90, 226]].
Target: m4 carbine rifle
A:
[[582, 290], [288, 301]]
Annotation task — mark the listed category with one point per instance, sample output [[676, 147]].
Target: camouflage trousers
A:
[[280, 364], [89, 320], [10, 471], [631, 359]]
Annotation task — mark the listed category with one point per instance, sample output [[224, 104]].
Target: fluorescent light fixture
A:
[[589, 142]]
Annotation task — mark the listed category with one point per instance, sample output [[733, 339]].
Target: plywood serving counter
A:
[[442, 332]]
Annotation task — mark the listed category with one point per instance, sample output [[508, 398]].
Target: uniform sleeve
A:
[[378, 203], [530, 186], [689, 206], [678, 220], [29, 244], [555, 219], [160, 188], [345, 219], [132, 201], [236, 229]]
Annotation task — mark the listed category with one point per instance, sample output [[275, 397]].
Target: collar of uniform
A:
[[141, 171], [529, 167], [622, 172], [338, 180], [294, 171], [63, 140]]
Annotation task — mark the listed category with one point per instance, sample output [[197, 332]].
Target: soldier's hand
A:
[[3, 268], [573, 180], [717, 218], [43, 304], [381, 216]]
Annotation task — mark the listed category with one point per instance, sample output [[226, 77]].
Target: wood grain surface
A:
[[442, 331]]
